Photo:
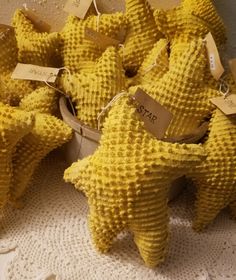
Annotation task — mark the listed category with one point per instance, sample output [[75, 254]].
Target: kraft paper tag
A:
[[78, 8], [101, 40], [38, 23], [226, 104], [232, 65], [155, 117], [35, 73], [111, 6], [216, 66], [5, 30], [164, 4]]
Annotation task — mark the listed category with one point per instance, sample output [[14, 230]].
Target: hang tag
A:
[[101, 40], [35, 73], [164, 4], [232, 65], [78, 8], [226, 104], [38, 23], [5, 30], [216, 66], [111, 6], [155, 117]]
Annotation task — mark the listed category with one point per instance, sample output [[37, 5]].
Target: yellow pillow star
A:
[[47, 134], [14, 124], [35, 47], [127, 182], [77, 51], [91, 91], [142, 34]]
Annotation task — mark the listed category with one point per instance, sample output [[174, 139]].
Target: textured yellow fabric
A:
[[127, 182], [182, 90], [39, 48], [42, 100], [14, 124], [142, 34], [193, 18], [47, 134], [92, 91], [216, 176], [11, 91], [79, 53]]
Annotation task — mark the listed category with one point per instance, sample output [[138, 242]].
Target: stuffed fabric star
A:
[[77, 51], [182, 90], [42, 100], [127, 182], [11, 91], [193, 18], [14, 124], [47, 134], [142, 34], [93, 91], [35, 47], [215, 177]]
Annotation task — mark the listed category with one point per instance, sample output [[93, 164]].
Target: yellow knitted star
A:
[[127, 182], [47, 134], [14, 124], [42, 100], [92, 91], [11, 91], [142, 34], [193, 18], [35, 47], [77, 51], [215, 177]]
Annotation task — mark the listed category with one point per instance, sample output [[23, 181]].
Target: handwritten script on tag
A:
[[226, 104], [35, 73], [101, 40], [155, 117], [232, 65], [78, 8], [164, 4], [216, 66], [38, 23]]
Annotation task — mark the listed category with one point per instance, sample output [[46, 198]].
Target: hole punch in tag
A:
[[164, 4], [38, 23], [156, 118], [35, 73], [226, 104], [101, 40], [232, 65], [78, 8], [216, 66], [111, 6]]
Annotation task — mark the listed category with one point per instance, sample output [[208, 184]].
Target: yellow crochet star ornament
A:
[[42, 100], [215, 177], [127, 182], [47, 134], [80, 53], [35, 47], [92, 91], [14, 124], [11, 91], [142, 34]]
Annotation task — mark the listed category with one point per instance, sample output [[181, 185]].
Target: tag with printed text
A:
[[155, 117], [164, 4], [226, 104], [38, 23], [78, 8], [5, 30], [101, 40], [216, 66], [232, 65], [35, 73], [111, 6]]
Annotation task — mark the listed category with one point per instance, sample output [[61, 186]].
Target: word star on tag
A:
[[35, 73], [216, 66], [78, 8], [226, 104], [155, 117]]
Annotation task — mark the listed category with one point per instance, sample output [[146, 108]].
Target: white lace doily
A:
[[52, 239]]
